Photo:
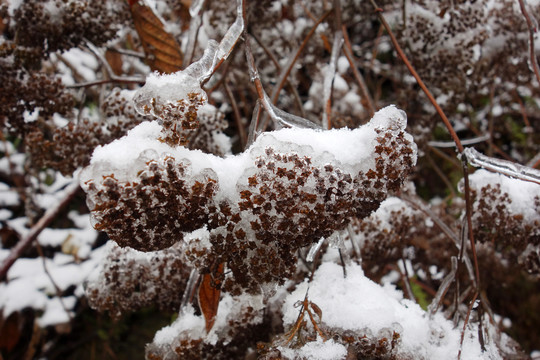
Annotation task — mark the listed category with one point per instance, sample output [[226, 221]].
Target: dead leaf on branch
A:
[[209, 294], [162, 51]]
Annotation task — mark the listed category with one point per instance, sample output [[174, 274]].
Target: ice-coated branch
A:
[[450, 144], [280, 118], [532, 26], [228, 42], [329, 75], [504, 167]]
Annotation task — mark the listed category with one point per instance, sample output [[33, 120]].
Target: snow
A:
[[317, 350], [55, 313], [522, 193], [191, 326], [352, 150], [357, 303]]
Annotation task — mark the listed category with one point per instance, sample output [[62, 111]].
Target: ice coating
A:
[[351, 149], [505, 167], [163, 90], [291, 188]]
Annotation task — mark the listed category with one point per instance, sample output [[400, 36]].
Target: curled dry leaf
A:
[[209, 293], [162, 51]]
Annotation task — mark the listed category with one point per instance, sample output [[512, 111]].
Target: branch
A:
[[532, 30], [45, 220]]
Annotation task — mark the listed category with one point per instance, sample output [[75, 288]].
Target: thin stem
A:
[[413, 72], [274, 60], [285, 74], [443, 177], [127, 52], [450, 128], [55, 285], [405, 278], [237, 116], [532, 30], [471, 305], [119, 80], [364, 92]]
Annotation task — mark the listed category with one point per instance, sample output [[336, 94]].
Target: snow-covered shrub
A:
[[232, 208]]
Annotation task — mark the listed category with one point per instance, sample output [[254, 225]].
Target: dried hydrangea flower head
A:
[[251, 211]]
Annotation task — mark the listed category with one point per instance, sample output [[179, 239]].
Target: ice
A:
[[313, 250], [351, 150], [195, 7], [505, 167], [168, 89], [202, 69], [283, 119], [329, 75], [233, 34]]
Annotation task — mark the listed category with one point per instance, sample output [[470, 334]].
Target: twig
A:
[[115, 79], [347, 50], [285, 73], [274, 60], [127, 52], [55, 285], [449, 144], [445, 156], [471, 305], [193, 32], [532, 30], [329, 76], [45, 220], [237, 116], [342, 263], [504, 167], [443, 177], [405, 278]]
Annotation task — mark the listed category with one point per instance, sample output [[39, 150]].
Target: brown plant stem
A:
[[45, 220], [285, 74], [364, 92], [448, 125], [237, 117]]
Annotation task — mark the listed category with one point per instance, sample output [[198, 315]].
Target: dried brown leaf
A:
[[162, 51], [209, 294]]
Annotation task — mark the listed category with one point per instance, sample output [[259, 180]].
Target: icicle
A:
[[502, 166], [314, 250], [221, 52]]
